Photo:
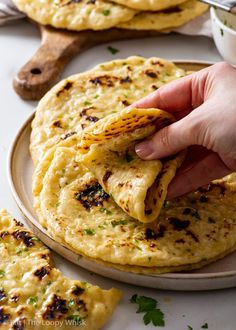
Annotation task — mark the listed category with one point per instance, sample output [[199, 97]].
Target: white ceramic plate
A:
[[219, 275]]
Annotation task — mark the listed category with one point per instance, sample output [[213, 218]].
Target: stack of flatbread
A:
[[95, 196], [104, 14]]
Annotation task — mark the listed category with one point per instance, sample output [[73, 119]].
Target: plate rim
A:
[[27, 214]]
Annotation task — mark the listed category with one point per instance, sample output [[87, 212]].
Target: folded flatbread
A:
[[107, 149]]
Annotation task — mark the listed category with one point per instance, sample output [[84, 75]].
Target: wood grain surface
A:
[[57, 48]]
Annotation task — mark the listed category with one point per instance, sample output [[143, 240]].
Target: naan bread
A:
[[107, 149], [36, 295], [152, 5], [80, 100], [74, 209], [76, 15], [180, 15]]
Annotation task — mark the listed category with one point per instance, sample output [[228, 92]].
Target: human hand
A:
[[204, 104]]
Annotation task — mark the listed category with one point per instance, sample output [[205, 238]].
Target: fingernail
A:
[[144, 149]]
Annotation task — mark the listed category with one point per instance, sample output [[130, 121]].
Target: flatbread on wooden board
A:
[[36, 295], [76, 15], [150, 5]]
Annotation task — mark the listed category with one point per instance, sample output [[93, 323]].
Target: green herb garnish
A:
[[2, 273], [20, 250], [148, 306], [34, 238], [155, 316], [115, 223], [204, 326], [221, 32], [77, 320], [78, 196], [113, 50], [104, 210], [106, 12], [102, 226], [189, 327], [33, 301], [136, 244], [89, 231], [71, 303], [87, 103]]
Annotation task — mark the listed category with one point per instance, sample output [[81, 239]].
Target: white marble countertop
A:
[[17, 44]]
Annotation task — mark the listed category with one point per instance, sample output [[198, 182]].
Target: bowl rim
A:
[[219, 22]]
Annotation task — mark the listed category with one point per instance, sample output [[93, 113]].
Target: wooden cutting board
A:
[[57, 48]]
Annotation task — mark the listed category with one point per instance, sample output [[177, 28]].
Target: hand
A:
[[204, 104]]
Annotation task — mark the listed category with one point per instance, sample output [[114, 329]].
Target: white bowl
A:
[[224, 33]]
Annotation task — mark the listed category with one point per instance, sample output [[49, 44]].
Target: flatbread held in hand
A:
[[107, 149]]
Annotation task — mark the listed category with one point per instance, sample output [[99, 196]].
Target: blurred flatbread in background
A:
[[76, 15], [180, 15]]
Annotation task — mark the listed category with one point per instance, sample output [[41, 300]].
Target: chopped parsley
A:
[[106, 211], [77, 320], [115, 223], [87, 103], [106, 12], [34, 238], [155, 316], [113, 50], [148, 306], [2, 273], [136, 244], [102, 226], [45, 288], [33, 301], [78, 196], [221, 32], [204, 326], [189, 327], [71, 303], [20, 250], [89, 231]]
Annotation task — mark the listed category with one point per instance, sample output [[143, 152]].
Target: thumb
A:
[[168, 141]]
